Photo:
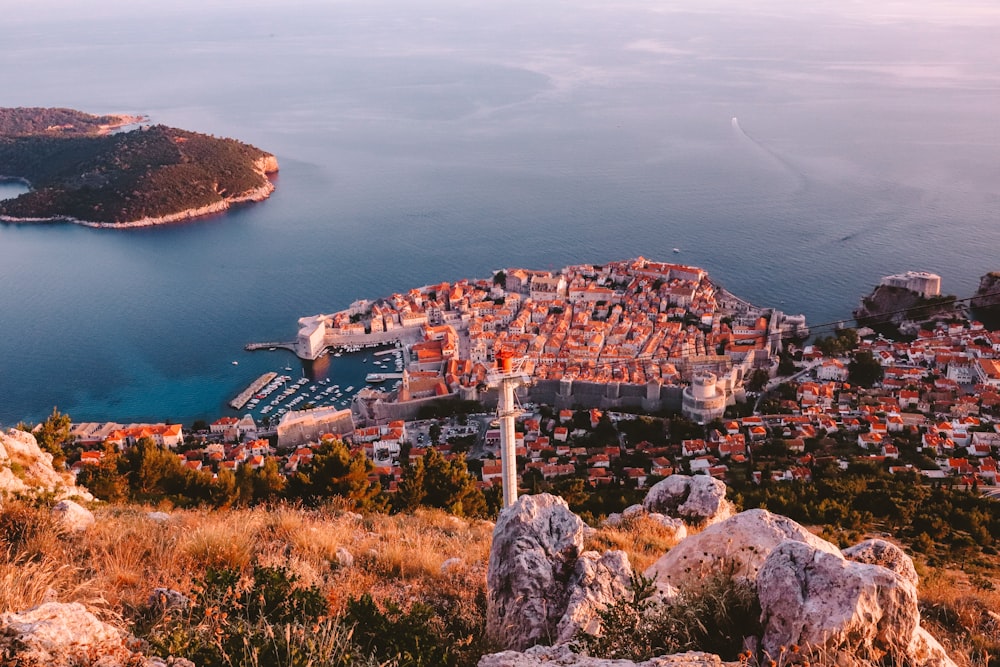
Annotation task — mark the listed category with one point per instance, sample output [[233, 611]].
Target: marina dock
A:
[[255, 386]]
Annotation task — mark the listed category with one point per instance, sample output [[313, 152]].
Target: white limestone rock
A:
[[72, 517], [563, 656], [344, 557], [57, 634], [536, 543], [158, 517], [886, 554], [633, 511], [698, 499], [27, 470], [598, 580], [926, 651], [820, 599], [738, 545]]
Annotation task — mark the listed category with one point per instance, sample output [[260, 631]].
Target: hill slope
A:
[[82, 173]]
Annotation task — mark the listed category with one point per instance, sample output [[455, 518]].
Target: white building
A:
[[923, 283]]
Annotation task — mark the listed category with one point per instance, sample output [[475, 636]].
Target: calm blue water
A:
[[421, 142]]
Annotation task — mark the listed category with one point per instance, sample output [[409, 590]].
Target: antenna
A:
[[507, 376]]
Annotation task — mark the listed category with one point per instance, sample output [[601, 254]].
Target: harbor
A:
[[244, 397], [331, 381]]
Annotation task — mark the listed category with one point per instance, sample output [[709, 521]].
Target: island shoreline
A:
[[264, 166]]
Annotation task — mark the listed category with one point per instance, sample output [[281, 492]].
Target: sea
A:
[[796, 151]]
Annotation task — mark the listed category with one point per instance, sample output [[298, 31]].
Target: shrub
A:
[[713, 616], [265, 620]]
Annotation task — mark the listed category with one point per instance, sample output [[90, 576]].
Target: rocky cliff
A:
[[986, 301], [896, 309]]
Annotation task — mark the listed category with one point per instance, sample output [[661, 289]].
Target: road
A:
[[771, 384]]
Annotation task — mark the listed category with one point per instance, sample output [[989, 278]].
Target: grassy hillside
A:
[[413, 595], [150, 172]]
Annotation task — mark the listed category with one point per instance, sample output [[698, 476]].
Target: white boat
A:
[[677, 249], [350, 388], [236, 363], [374, 377]]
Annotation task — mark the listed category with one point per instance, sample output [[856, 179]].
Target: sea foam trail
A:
[[785, 165]]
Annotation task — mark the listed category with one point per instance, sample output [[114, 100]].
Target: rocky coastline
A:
[[266, 165]]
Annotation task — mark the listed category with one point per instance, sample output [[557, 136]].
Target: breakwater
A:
[[255, 386]]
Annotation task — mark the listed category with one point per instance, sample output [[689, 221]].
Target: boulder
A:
[[72, 517], [821, 600], [158, 517], [563, 656], [926, 651], [699, 499], [344, 557], [26, 469], [739, 545], [597, 581], [886, 554], [58, 634], [536, 543], [633, 511]]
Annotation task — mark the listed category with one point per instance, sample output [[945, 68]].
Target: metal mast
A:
[[506, 377]]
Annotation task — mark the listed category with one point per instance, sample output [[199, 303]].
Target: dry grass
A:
[[643, 539], [116, 564], [964, 614]]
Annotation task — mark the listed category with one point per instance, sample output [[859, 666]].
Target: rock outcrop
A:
[[886, 554], [823, 601], [597, 580], [739, 545], [67, 635], [27, 470], [563, 656], [540, 585], [700, 500], [854, 607], [987, 298], [72, 517]]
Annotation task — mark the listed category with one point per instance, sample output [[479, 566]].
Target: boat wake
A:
[[780, 160]]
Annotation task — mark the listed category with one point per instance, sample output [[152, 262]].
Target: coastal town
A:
[[635, 370]]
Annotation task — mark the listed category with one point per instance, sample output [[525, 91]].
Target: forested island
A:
[[80, 171]]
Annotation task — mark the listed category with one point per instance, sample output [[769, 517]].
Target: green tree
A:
[[411, 491], [52, 436], [864, 370], [259, 485], [334, 471], [152, 471], [449, 485], [786, 366], [757, 379], [105, 480]]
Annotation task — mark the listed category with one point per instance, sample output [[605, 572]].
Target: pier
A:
[[255, 386], [250, 347]]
